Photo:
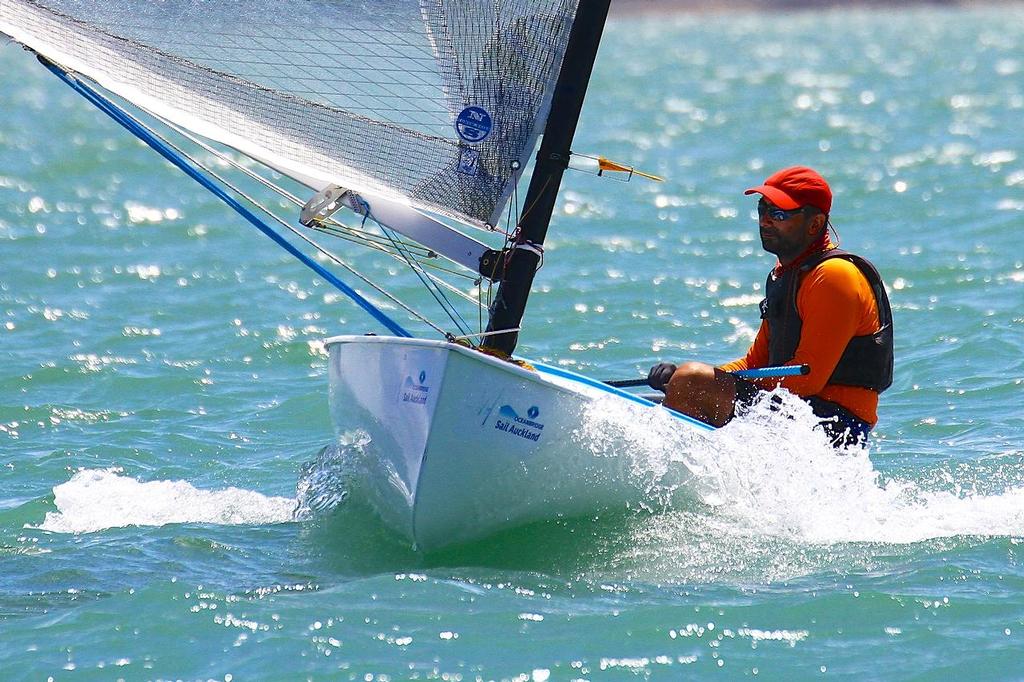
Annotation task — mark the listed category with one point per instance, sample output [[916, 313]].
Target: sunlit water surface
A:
[[176, 506]]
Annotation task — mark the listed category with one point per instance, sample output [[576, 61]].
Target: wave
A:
[[768, 497], [772, 472], [95, 500]]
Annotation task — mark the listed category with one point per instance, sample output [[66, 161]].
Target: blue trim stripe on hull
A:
[[600, 385]]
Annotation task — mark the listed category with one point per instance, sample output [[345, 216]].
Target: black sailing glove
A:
[[659, 375]]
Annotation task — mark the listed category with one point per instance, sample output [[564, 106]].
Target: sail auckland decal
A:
[[415, 392], [511, 423]]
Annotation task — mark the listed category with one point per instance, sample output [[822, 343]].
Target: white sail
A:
[[434, 103]]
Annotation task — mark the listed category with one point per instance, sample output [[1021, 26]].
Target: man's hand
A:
[[659, 375]]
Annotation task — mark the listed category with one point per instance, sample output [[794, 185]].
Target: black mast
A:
[[552, 159]]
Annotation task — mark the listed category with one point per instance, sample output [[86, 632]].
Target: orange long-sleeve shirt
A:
[[835, 304]]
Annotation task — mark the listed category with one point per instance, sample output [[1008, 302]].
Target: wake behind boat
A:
[[398, 117]]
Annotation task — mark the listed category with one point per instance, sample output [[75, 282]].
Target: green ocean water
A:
[[163, 391]]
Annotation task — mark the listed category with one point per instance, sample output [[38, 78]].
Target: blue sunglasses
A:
[[776, 213]]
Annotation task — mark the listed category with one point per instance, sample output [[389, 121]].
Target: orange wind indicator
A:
[[598, 165], [604, 164]]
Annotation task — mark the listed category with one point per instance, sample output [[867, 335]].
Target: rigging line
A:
[[529, 208], [340, 231], [333, 228], [401, 249], [450, 287], [417, 268], [516, 238], [439, 297], [363, 240], [513, 207], [337, 260], [357, 236], [330, 226], [370, 240], [435, 291], [383, 246], [121, 117], [483, 335], [327, 253]]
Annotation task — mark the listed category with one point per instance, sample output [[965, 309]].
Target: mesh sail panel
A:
[[438, 102]]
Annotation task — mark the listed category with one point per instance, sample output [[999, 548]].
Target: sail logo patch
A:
[[414, 392], [473, 124], [511, 423], [469, 161]]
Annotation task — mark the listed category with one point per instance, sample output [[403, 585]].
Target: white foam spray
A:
[[326, 481], [773, 473], [95, 500]]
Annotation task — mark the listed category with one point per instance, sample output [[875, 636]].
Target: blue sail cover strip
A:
[[112, 110]]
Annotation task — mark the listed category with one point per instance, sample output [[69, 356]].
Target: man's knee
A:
[[702, 391], [692, 375]]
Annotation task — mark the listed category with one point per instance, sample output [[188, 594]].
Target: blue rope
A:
[[111, 109]]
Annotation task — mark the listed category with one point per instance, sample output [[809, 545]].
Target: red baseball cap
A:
[[795, 187]]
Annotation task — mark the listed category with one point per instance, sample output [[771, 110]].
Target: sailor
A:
[[823, 307]]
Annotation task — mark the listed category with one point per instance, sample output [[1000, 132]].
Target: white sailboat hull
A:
[[465, 445]]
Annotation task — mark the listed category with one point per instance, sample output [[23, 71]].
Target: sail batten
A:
[[434, 103]]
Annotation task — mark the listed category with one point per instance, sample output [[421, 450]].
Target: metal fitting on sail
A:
[[327, 201]]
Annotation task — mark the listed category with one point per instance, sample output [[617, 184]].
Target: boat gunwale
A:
[[535, 376]]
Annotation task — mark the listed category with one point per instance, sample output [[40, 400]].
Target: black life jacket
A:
[[867, 360]]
